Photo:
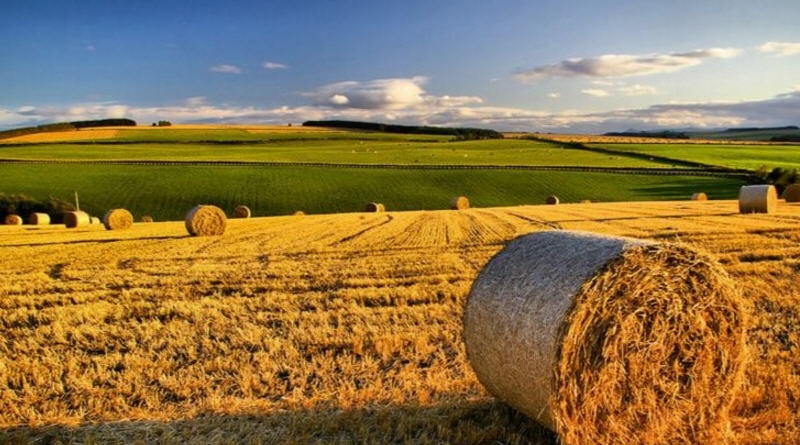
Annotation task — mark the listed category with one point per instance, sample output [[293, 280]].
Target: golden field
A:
[[329, 328], [606, 139]]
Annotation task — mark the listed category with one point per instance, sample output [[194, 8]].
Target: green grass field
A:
[[237, 134], [354, 150], [735, 156], [167, 192]]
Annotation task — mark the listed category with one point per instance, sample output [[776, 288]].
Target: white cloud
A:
[[620, 65], [90, 48], [596, 92], [638, 90], [553, 95], [274, 66], [780, 49], [386, 94], [224, 68], [605, 83], [196, 101]]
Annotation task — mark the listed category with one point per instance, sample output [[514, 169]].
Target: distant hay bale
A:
[[586, 201], [76, 219], [241, 211], [13, 220], [552, 200], [117, 219], [206, 220], [299, 213], [93, 220], [39, 219], [699, 196], [147, 219], [792, 193], [601, 338], [761, 198], [459, 203], [375, 207]]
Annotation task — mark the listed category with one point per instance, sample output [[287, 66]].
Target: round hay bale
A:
[[586, 201], [761, 198], [147, 219], [792, 193], [552, 200], [93, 220], [375, 207], [206, 220], [39, 219], [699, 196], [117, 219], [459, 203], [299, 213], [13, 220], [76, 219], [241, 211], [601, 338]]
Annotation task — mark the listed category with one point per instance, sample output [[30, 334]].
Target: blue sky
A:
[[524, 65]]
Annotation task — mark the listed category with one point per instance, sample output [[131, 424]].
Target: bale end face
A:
[[242, 211], [600, 338], [374, 207], [761, 198], [206, 220], [13, 220], [459, 203], [552, 200], [117, 219], [76, 219], [39, 219], [699, 196], [792, 193]]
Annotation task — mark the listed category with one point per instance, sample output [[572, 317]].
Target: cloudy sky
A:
[[579, 66]]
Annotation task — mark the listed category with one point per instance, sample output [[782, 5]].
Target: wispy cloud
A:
[[620, 65], [225, 68], [553, 95], [274, 66], [90, 48], [596, 92], [638, 90], [780, 49]]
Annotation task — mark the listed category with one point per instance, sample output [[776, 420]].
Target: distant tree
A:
[[154, 124], [164, 123]]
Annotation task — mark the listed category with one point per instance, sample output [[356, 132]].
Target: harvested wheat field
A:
[[331, 328]]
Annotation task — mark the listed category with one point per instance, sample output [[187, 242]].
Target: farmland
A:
[[329, 328], [726, 155]]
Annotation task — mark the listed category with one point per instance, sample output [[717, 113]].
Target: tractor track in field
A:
[[714, 172]]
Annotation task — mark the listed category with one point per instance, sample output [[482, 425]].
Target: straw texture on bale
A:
[[241, 211], [459, 203], [758, 199], [118, 219], [792, 193], [608, 340], [552, 200], [39, 219], [206, 220], [375, 207], [13, 220], [76, 219], [147, 219], [699, 196]]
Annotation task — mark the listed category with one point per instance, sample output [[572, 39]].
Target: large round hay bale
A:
[[117, 219], [552, 200], [605, 339], [39, 219], [13, 220], [792, 193], [459, 203], [761, 198], [241, 211], [147, 219], [699, 196], [76, 219], [375, 207], [206, 220]]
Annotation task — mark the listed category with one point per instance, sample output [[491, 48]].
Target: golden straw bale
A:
[[602, 338], [147, 219], [459, 203], [39, 219], [242, 211], [552, 200], [792, 193], [299, 213], [76, 219], [13, 220], [375, 207], [206, 220], [761, 198], [93, 220], [117, 219], [699, 196]]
